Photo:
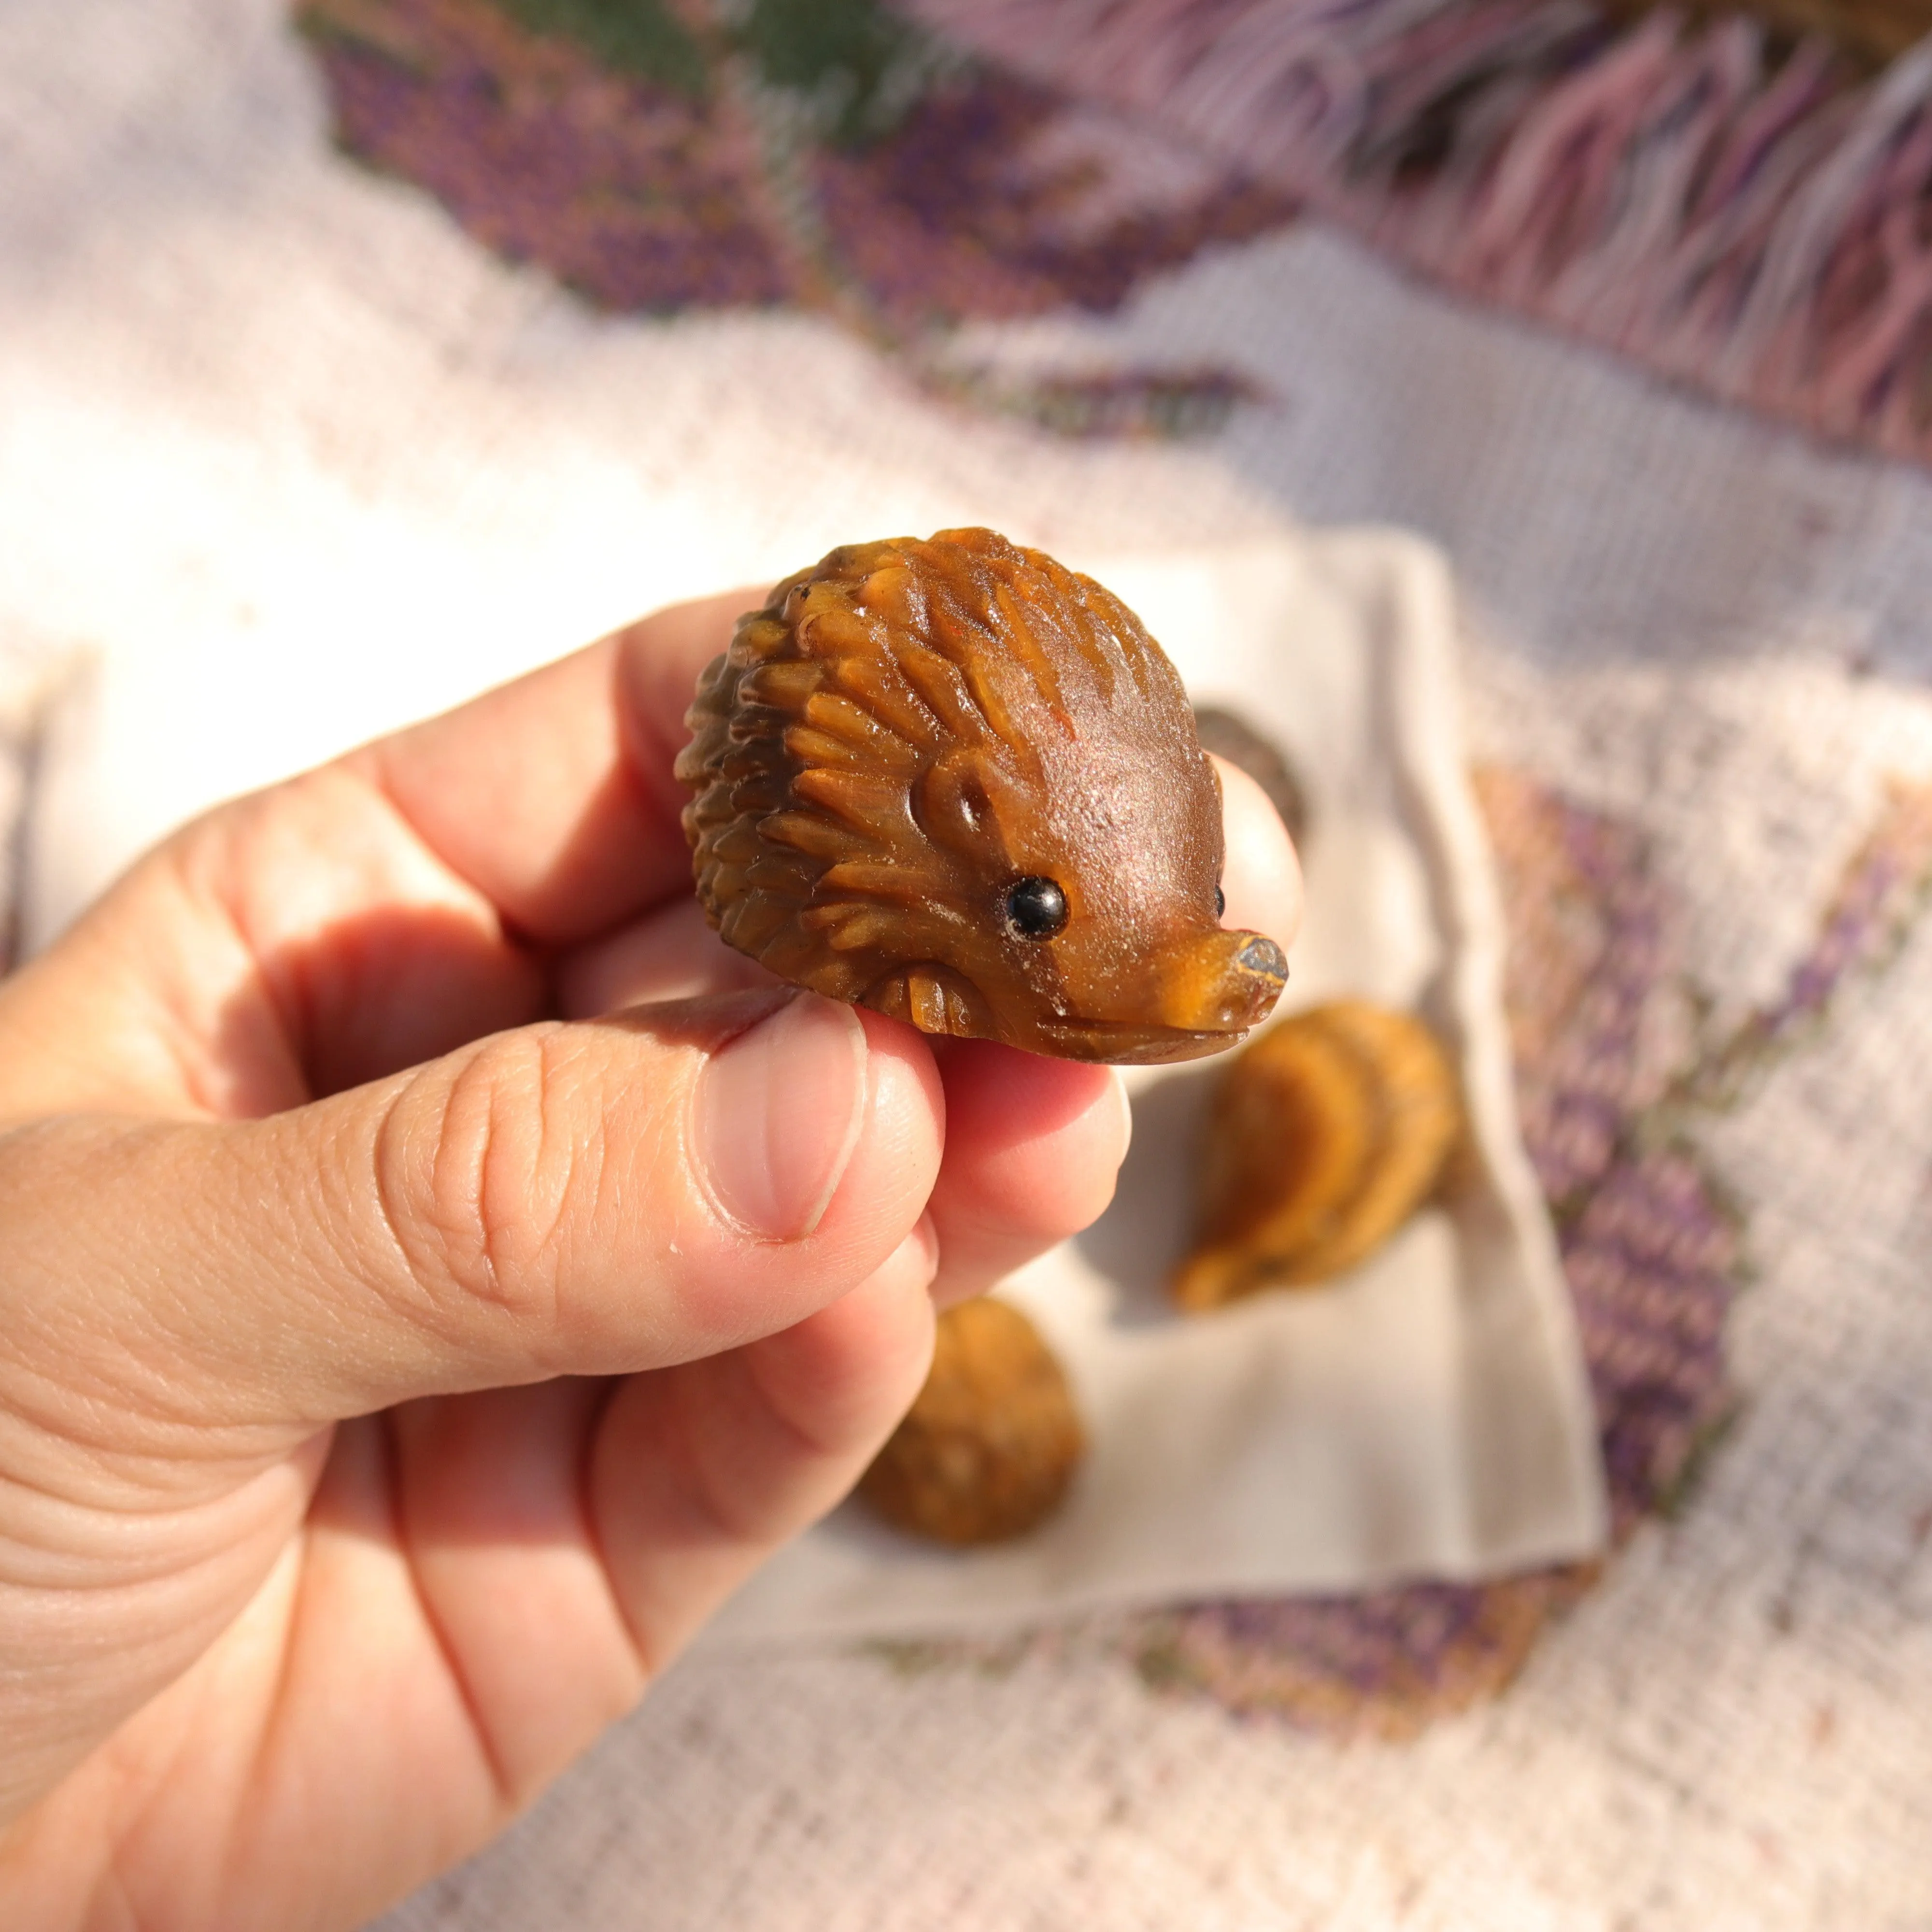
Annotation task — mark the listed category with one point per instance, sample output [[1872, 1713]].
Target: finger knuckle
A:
[[485, 1179]]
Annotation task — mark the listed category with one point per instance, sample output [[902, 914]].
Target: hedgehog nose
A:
[[1263, 959], [1226, 982]]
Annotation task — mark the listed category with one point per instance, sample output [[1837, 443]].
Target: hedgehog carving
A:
[[956, 782], [1325, 1137]]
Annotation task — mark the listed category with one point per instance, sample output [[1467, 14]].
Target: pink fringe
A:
[[1762, 232]]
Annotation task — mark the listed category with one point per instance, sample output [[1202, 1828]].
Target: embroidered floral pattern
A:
[[834, 157], [1730, 194]]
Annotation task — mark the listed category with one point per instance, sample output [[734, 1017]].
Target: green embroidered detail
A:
[[857, 69], [640, 37]]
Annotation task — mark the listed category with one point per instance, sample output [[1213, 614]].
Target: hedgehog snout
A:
[[1224, 983]]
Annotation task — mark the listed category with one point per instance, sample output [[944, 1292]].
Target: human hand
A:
[[407, 1337]]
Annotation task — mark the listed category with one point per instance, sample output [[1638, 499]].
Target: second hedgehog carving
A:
[[953, 781], [1323, 1137]]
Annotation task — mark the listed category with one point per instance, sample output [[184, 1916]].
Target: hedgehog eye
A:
[[1036, 908], [1220, 903]]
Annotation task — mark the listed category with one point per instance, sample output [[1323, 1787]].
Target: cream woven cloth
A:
[[1708, 629]]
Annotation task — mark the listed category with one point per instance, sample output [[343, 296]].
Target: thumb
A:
[[589, 1198]]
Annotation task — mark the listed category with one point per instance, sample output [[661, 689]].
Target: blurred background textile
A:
[[382, 346]]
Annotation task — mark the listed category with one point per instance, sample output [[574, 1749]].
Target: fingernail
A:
[[777, 1114]]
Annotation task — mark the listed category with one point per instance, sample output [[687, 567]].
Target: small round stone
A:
[[989, 1448]]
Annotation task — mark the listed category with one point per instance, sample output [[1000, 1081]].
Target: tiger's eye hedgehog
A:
[[991, 1443], [1324, 1136], [956, 782]]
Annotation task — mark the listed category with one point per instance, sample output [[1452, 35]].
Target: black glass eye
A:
[[1036, 908], [1220, 903]]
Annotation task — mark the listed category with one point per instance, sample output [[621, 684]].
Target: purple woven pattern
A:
[[622, 189], [1595, 995], [1387, 1662], [1741, 214], [699, 171]]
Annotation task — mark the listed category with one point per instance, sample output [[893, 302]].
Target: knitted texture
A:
[[256, 394]]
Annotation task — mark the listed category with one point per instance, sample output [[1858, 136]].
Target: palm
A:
[[439, 1635]]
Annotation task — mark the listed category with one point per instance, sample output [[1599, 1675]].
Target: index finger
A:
[[553, 795]]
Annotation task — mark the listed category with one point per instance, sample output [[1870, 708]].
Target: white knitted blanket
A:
[[1696, 677]]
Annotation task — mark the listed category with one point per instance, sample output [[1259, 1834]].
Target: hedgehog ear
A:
[[956, 802]]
